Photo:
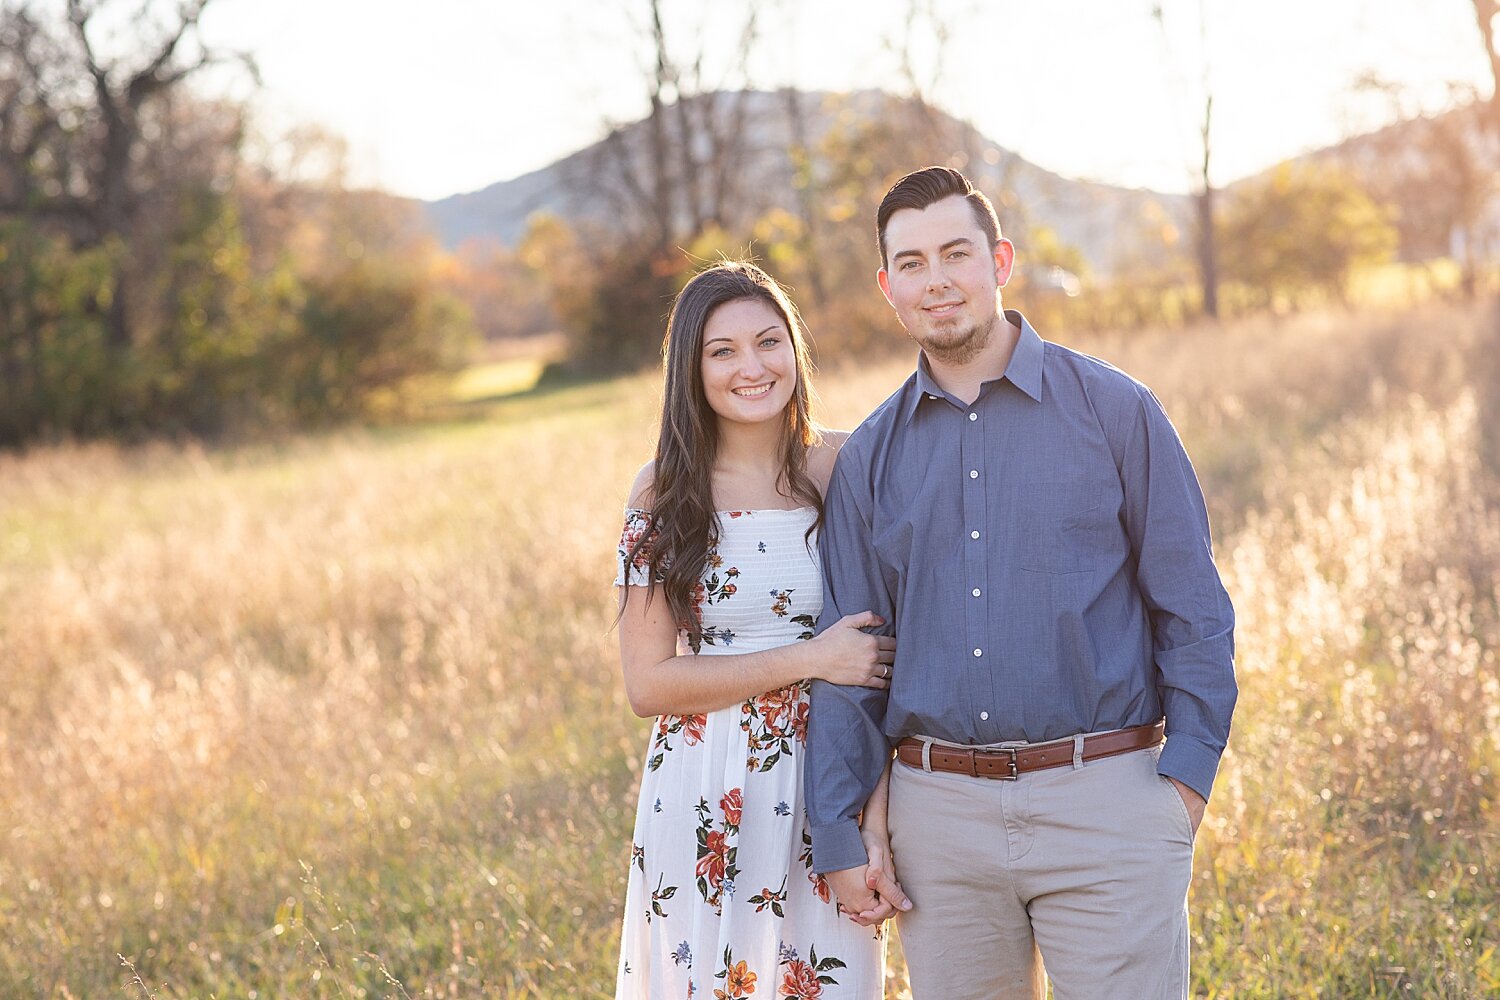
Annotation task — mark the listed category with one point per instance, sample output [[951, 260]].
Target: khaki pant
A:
[[1084, 868]]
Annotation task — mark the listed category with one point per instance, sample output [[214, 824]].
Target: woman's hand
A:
[[846, 655]]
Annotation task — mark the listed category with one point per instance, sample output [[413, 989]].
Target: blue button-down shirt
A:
[[1043, 558]]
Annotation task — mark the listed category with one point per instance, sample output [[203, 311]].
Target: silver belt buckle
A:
[[1014, 774]]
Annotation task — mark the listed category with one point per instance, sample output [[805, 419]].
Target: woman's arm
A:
[[658, 681]]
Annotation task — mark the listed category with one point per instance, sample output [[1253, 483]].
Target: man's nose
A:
[[937, 277]]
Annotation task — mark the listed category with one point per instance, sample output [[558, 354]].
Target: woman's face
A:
[[749, 367]]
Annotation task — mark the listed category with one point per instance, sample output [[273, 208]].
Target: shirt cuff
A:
[[1190, 761], [837, 847]]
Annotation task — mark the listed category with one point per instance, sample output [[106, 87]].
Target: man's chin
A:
[[951, 341]]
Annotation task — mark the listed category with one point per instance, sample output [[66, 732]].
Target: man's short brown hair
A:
[[922, 188]]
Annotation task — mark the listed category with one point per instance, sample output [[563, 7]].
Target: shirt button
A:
[[984, 716], [973, 416], [976, 591], [973, 534], [931, 396], [973, 473], [978, 652]]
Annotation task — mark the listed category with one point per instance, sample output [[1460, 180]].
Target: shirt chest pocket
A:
[[1064, 527]]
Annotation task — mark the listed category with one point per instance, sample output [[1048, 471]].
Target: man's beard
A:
[[963, 347]]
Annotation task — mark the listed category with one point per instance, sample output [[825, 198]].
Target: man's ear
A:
[[884, 281], [1005, 261]]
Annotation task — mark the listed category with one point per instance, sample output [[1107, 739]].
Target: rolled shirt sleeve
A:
[[846, 748]]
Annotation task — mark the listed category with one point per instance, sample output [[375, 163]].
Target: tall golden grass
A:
[[341, 718]]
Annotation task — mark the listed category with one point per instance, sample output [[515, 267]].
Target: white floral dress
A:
[[722, 901]]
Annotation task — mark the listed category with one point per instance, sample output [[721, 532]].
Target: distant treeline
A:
[[700, 179], [164, 268]]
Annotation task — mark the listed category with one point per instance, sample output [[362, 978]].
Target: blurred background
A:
[[226, 216], [327, 334]]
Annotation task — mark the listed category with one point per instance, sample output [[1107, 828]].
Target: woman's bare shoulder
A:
[[641, 495]]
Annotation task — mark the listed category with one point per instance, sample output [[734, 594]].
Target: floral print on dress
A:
[[774, 721], [819, 882], [718, 850], [712, 909], [667, 726], [711, 590], [739, 981], [781, 604], [633, 565], [805, 980]]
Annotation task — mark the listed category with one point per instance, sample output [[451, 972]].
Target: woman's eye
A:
[[722, 352], [770, 342]]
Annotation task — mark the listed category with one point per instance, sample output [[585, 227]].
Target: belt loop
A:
[[1077, 751], [927, 756]]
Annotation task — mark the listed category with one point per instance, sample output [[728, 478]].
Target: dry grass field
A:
[[341, 717]]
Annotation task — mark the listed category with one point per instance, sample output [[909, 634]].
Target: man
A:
[[1027, 521]]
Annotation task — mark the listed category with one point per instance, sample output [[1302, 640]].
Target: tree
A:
[[85, 143], [152, 281], [508, 298], [662, 182], [1204, 196], [1437, 170], [1302, 228], [1487, 13]]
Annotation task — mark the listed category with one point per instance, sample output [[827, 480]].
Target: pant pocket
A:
[[1178, 807]]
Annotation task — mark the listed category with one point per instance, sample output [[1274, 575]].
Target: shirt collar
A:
[[1024, 370]]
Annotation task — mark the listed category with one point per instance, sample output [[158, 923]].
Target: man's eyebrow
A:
[[961, 241]]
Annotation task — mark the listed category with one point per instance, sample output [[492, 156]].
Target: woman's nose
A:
[[751, 365]]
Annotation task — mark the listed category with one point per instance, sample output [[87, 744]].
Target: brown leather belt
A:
[[1009, 763]]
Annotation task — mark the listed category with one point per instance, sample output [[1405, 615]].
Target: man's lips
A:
[[942, 309]]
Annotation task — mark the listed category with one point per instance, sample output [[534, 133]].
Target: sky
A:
[[439, 97]]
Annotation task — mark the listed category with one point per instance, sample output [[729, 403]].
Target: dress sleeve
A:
[[635, 571]]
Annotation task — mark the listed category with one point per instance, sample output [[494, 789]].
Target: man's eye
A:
[[908, 265]]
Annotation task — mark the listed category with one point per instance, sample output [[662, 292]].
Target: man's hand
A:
[[1195, 803], [855, 896], [880, 876]]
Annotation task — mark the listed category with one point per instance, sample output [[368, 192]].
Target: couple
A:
[[1012, 597]]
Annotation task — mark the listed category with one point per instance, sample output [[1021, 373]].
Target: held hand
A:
[[880, 876], [847, 655], [853, 895], [1194, 802]]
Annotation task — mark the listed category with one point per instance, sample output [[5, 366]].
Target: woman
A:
[[721, 588]]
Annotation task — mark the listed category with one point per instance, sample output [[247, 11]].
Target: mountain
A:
[[1102, 221]]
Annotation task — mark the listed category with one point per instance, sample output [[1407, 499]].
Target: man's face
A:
[[943, 278]]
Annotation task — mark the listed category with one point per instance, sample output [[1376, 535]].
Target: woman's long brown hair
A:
[[682, 525]]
